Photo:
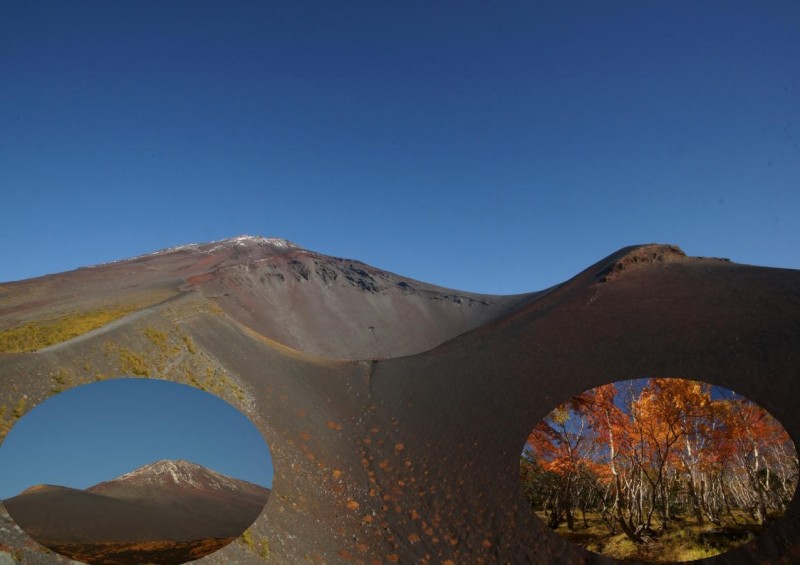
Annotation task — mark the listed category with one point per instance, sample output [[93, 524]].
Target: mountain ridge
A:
[[178, 472], [321, 305], [408, 449]]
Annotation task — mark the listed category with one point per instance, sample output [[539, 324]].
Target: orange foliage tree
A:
[[658, 451]]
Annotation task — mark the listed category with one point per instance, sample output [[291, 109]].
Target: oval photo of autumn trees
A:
[[659, 469]]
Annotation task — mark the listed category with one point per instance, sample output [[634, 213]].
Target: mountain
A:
[[396, 413], [166, 501], [321, 305], [179, 477]]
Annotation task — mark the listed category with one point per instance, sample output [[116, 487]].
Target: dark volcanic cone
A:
[[225, 503], [413, 458]]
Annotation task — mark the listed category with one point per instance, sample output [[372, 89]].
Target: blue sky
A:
[[494, 147], [99, 431]]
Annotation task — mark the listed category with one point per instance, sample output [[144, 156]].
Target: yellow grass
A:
[[49, 331], [42, 333]]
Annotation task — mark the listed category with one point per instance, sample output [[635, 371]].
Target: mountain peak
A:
[[259, 239], [39, 488], [163, 465], [631, 258], [169, 511], [245, 241], [169, 473], [268, 244]]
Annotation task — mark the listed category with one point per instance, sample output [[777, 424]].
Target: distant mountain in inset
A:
[[166, 501]]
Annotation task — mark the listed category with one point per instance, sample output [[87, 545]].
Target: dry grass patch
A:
[[687, 541], [43, 333], [37, 334]]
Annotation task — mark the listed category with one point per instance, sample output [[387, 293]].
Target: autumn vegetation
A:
[[638, 468], [39, 334], [36, 334], [165, 552]]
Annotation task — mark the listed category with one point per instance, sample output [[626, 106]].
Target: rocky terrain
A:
[[396, 411]]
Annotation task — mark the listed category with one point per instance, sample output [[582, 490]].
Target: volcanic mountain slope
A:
[[321, 305], [413, 458], [166, 501]]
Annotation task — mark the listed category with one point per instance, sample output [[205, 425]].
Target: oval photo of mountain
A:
[[135, 471], [659, 469]]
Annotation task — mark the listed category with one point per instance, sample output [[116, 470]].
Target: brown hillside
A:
[[414, 458]]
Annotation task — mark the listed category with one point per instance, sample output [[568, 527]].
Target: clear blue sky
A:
[[99, 431], [495, 147]]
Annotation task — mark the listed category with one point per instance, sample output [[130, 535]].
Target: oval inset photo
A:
[[134, 471], [659, 469]]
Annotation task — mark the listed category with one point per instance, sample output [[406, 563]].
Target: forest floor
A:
[[134, 553], [684, 540]]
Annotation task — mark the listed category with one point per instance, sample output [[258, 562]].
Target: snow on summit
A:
[[179, 473], [244, 240]]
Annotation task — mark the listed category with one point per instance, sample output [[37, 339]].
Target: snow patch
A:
[[182, 473], [238, 241]]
